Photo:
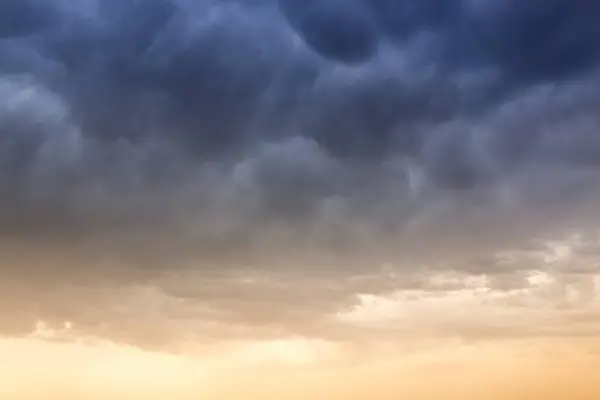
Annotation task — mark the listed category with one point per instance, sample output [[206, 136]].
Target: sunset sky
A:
[[300, 199]]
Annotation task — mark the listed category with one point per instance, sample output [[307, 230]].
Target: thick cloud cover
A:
[[193, 170], [240, 129]]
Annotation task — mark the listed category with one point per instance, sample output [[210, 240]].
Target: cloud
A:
[[138, 138]]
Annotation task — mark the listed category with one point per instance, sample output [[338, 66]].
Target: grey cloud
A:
[[242, 129], [539, 39], [336, 29]]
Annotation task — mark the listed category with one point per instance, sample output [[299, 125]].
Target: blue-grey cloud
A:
[[252, 126]]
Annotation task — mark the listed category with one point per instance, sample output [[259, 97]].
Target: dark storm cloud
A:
[[254, 126], [536, 39]]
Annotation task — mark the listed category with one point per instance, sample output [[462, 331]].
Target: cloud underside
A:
[[155, 143], [244, 128]]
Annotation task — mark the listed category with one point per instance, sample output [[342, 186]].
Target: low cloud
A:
[[144, 138]]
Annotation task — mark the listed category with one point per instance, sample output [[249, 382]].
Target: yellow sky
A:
[[532, 369], [530, 333]]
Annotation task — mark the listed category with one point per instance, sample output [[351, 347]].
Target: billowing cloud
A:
[[140, 139]]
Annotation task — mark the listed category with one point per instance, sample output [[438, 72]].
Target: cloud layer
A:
[[142, 138]]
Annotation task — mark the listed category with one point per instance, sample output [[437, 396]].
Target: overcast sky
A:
[[355, 173]]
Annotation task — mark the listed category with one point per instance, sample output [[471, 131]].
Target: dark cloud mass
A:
[[239, 129]]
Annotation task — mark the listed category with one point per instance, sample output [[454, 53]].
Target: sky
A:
[[327, 199]]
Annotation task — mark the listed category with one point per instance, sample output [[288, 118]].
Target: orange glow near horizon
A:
[[422, 333], [33, 368]]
